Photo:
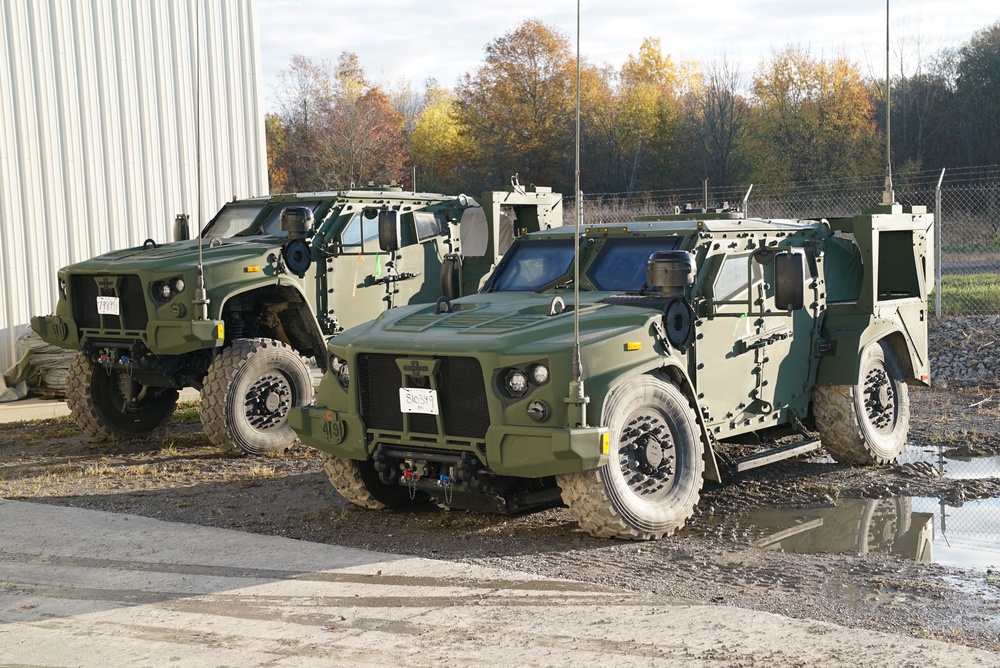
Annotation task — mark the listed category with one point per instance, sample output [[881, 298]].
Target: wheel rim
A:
[[116, 393], [646, 454], [267, 401], [880, 400]]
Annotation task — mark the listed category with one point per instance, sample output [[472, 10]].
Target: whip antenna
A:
[[200, 298], [576, 397], [888, 197]]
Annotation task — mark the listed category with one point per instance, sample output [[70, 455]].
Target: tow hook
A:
[[410, 479], [448, 483]]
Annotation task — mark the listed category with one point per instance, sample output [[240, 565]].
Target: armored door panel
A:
[[754, 360]]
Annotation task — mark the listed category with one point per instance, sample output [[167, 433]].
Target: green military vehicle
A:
[[234, 313], [697, 335]]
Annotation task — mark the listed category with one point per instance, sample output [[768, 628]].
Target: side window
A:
[[733, 282], [429, 224], [360, 234], [351, 236]]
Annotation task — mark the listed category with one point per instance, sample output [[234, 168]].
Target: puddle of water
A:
[[921, 529], [967, 536], [954, 467]]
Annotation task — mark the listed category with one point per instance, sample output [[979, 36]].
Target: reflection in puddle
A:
[[925, 530], [950, 463], [862, 526]]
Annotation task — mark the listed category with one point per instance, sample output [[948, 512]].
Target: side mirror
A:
[[182, 227], [790, 280], [388, 230]]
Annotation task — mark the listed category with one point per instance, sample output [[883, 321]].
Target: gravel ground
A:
[[181, 477]]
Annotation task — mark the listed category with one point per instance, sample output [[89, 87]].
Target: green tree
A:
[[977, 88]]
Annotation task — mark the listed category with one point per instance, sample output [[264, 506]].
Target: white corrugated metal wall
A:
[[98, 132]]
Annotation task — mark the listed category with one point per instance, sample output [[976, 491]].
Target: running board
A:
[[776, 454]]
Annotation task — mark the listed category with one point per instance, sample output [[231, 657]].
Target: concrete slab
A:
[[32, 408], [86, 588]]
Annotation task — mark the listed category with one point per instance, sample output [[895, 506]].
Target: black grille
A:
[[461, 396], [85, 290]]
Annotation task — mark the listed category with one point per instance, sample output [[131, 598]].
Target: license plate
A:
[[412, 400], [107, 305]]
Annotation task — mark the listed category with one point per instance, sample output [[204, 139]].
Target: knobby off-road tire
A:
[[358, 482], [866, 423], [96, 398], [653, 478], [249, 389]]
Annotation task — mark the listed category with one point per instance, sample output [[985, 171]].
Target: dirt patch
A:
[[181, 477]]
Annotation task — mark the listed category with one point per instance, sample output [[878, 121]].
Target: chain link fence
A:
[[968, 228]]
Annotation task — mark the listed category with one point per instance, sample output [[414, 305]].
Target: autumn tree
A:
[[298, 134], [276, 138], [515, 112], [814, 119], [333, 128], [435, 145]]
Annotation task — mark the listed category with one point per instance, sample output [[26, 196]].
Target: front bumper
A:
[[161, 337], [518, 451]]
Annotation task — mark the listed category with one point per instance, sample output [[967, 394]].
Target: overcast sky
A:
[[443, 39]]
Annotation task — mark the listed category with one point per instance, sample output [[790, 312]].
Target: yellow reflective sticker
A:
[[251, 269], [220, 331], [605, 448], [633, 345]]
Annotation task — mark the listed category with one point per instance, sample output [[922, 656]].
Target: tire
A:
[[867, 423], [650, 489], [248, 391], [359, 483], [96, 398]]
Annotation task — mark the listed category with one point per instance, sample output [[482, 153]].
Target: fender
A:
[[305, 333], [850, 334], [672, 370]]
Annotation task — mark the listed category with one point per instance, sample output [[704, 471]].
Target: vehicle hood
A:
[[179, 256], [513, 323]]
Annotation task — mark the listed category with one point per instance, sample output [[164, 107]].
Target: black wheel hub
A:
[[880, 400], [267, 402], [643, 454]]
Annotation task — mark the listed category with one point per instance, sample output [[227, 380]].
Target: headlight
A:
[[516, 383], [539, 374], [341, 371], [164, 291]]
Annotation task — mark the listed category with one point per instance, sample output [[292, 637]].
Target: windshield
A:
[[531, 265], [233, 218], [620, 265], [236, 219]]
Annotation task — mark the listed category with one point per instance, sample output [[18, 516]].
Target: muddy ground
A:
[[181, 477]]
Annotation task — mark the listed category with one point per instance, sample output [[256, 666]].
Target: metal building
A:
[[116, 115]]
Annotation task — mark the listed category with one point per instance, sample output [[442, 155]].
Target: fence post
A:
[[939, 232]]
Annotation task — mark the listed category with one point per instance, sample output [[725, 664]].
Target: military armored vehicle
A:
[[698, 334], [235, 312]]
